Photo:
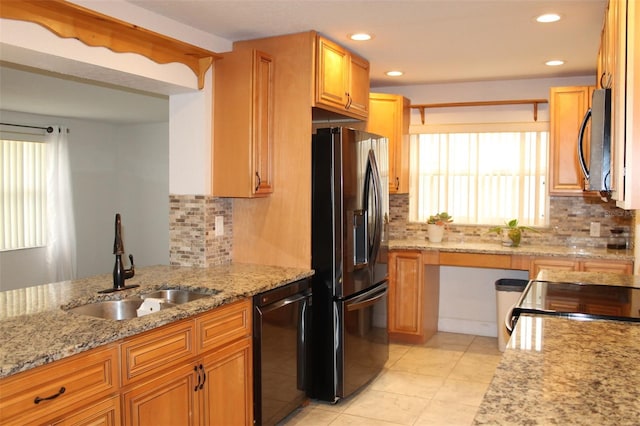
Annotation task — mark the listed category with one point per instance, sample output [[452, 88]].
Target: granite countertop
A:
[[523, 250], [36, 330], [566, 372], [558, 370]]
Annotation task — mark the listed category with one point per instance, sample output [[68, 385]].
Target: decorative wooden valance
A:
[[68, 20], [533, 102]]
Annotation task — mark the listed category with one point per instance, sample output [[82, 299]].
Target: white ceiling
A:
[[432, 41]]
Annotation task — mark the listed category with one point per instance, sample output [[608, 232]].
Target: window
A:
[[24, 193], [479, 178]]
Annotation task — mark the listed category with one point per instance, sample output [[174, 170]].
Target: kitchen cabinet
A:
[[567, 106], [192, 372], [599, 301], [342, 80], [389, 115], [413, 297], [616, 267], [75, 390], [243, 119], [619, 70], [572, 264]]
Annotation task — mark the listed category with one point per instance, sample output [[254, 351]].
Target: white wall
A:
[[483, 91], [115, 169]]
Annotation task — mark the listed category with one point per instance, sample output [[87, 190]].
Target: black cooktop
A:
[[581, 301]]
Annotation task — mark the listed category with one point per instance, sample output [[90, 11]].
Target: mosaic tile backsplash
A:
[[570, 219], [193, 241], [192, 236]]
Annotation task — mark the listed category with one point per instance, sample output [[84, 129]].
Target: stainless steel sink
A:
[[127, 308], [176, 296], [110, 309]]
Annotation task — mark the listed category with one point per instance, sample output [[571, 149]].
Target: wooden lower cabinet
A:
[[213, 386], [413, 297], [554, 263], [228, 394], [103, 413], [572, 264], [74, 387], [616, 267], [171, 399]]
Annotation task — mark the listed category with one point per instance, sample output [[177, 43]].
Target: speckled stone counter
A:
[[36, 329], [523, 250], [566, 372]]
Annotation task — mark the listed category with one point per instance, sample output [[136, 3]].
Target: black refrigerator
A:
[[349, 255]]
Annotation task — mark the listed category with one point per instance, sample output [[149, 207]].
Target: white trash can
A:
[[508, 291]]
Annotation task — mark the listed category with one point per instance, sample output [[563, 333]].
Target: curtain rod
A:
[[48, 129], [534, 102]]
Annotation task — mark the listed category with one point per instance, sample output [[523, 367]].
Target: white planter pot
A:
[[435, 232]]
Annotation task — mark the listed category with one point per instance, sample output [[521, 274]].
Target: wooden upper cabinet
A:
[[342, 80], [243, 124], [622, 29], [389, 116], [568, 105]]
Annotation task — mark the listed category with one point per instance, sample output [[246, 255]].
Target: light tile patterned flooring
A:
[[439, 383]]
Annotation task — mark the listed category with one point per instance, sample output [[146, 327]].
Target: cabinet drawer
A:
[[153, 351], [28, 396], [224, 325]]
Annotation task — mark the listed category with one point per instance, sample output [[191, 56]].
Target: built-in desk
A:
[[414, 274]]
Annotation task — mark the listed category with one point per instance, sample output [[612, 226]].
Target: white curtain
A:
[[61, 237]]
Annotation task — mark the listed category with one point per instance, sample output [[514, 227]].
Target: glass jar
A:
[[617, 239]]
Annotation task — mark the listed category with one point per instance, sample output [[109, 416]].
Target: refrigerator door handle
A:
[[372, 173], [367, 299]]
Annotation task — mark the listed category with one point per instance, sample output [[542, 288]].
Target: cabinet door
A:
[[171, 399], [332, 74], [568, 106], [389, 116], [358, 89], [263, 122], [228, 386], [104, 413], [556, 264], [244, 125], [405, 294], [607, 266]]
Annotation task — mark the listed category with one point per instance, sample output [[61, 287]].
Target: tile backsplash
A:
[[192, 239], [570, 219]]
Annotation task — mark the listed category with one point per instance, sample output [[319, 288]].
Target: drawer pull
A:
[[38, 400], [204, 376], [195, 370]]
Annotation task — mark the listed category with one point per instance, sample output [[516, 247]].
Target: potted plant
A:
[[511, 232], [436, 225]]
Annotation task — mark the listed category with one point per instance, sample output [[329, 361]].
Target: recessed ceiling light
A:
[[394, 73], [554, 62], [360, 37], [548, 17]]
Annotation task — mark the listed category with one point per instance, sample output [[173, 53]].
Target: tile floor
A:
[[441, 382]]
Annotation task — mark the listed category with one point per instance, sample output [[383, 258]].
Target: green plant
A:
[[441, 219], [514, 231]]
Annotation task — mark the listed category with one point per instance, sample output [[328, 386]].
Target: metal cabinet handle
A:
[[204, 376], [259, 181], [195, 369], [397, 183], [38, 400]]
